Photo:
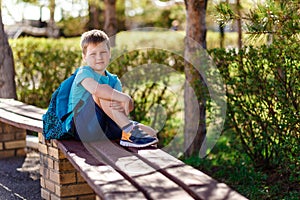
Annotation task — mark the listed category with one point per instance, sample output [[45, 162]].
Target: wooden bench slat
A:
[[199, 183], [150, 181], [104, 180], [20, 108], [203, 185], [21, 121]]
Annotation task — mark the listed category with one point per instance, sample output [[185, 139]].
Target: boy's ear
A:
[[83, 56]]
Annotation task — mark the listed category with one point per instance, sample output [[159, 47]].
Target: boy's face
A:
[[97, 57]]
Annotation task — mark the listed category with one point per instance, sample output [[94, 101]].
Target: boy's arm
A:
[[105, 92]]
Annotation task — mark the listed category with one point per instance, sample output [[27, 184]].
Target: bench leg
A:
[[12, 141], [59, 179]]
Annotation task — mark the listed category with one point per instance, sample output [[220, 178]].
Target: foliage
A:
[[146, 14], [263, 101], [41, 65], [279, 20], [263, 90], [72, 26]]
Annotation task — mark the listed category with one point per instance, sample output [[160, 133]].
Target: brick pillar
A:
[[12, 141], [59, 179]]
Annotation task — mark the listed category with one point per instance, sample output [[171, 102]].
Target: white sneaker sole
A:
[[130, 144]]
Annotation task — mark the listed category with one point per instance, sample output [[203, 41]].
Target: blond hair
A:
[[93, 37]]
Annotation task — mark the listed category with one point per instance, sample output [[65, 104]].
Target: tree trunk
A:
[[110, 25], [222, 35], [194, 94], [7, 69], [94, 15], [52, 31], [239, 24]]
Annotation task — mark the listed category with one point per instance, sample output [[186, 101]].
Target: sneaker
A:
[[137, 138]]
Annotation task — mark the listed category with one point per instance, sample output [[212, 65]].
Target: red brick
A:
[[21, 135], [43, 149], [54, 143], [55, 197], [50, 163], [56, 153], [87, 197], [63, 165], [21, 152], [42, 182], [11, 129], [15, 144], [80, 179], [44, 172], [41, 138], [7, 137], [73, 190], [50, 185], [45, 194], [7, 153], [62, 178]]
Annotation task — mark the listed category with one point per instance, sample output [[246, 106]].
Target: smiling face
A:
[[97, 56]]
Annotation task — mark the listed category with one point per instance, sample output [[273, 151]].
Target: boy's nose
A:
[[100, 56]]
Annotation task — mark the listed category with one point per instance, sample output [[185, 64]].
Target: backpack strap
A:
[[63, 96], [113, 79]]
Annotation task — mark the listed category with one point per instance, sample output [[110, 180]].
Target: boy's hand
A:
[[117, 105], [125, 107], [128, 105]]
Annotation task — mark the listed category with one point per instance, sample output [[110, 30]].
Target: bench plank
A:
[[20, 121], [198, 184], [151, 182], [20, 108], [105, 181], [21, 115]]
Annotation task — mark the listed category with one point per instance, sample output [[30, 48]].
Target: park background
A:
[[254, 45]]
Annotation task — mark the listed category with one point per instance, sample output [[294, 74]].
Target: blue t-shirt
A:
[[78, 92]]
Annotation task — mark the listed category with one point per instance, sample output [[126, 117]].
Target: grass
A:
[[170, 40], [174, 40]]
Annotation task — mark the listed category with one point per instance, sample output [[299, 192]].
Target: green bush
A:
[[41, 65], [263, 101]]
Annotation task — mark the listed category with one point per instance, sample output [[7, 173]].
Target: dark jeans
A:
[[92, 124]]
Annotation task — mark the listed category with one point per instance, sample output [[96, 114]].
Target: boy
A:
[[97, 101]]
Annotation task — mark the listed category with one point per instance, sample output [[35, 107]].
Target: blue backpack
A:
[[54, 119]]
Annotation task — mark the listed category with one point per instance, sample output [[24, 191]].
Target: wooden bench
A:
[[103, 169]]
